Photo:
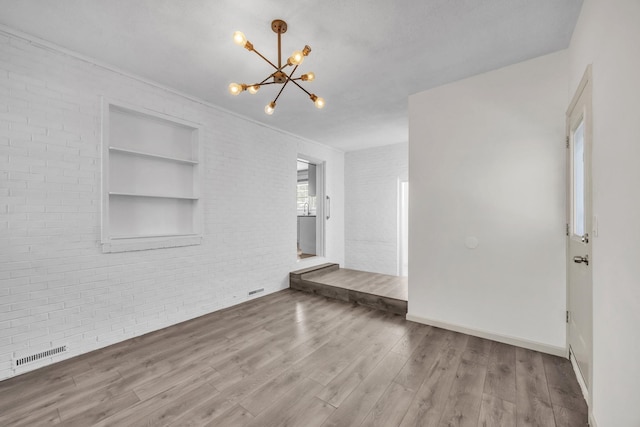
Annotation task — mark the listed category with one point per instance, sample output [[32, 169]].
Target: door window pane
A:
[[578, 180]]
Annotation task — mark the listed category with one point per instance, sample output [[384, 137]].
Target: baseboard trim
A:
[[583, 388], [576, 370], [531, 345]]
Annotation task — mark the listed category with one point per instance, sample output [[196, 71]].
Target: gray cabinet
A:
[[307, 234]]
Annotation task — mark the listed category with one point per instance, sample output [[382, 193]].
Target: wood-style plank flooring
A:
[[296, 359]]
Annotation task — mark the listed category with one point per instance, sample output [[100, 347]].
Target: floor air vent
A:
[[256, 291], [17, 363]]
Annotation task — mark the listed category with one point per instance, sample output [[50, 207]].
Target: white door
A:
[[579, 236]]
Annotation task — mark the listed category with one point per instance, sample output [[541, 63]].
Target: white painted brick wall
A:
[[371, 207], [56, 285]]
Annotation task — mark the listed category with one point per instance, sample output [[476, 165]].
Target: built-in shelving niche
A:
[[151, 180]]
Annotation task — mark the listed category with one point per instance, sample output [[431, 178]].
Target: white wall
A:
[[487, 161], [608, 35], [56, 285], [371, 211]]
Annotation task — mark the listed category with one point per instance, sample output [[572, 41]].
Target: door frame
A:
[[584, 88], [321, 206], [402, 240]]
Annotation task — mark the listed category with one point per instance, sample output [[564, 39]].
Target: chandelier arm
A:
[[297, 84], [285, 83], [262, 56], [281, 89], [263, 82], [293, 71]]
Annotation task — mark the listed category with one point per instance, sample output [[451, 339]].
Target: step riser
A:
[[390, 305]]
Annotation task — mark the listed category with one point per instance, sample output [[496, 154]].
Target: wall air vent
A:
[[23, 361]]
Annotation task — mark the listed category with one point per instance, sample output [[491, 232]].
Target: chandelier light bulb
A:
[[253, 89], [296, 58], [270, 108], [239, 38], [235, 89], [319, 102], [309, 77]]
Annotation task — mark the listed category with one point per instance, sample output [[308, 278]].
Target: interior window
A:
[[306, 204], [578, 180]]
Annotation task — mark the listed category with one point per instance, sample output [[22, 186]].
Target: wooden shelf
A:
[[155, 156], [143, 236], [156, 196]]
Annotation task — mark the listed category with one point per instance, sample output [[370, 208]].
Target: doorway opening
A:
[[309, 207]]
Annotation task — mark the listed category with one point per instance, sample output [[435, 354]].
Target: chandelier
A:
[[279, 76]]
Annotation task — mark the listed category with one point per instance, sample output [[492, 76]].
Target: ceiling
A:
[[368, 55]]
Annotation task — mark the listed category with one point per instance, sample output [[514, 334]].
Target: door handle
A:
[[328, 207], [580, 259]]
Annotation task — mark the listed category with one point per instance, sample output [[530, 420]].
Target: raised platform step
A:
[[379, 291], [322, 267]]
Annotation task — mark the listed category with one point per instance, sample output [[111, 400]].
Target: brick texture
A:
[[56, 285]]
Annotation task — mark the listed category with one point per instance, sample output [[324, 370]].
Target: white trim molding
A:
[[520, 342], [576, 370]]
